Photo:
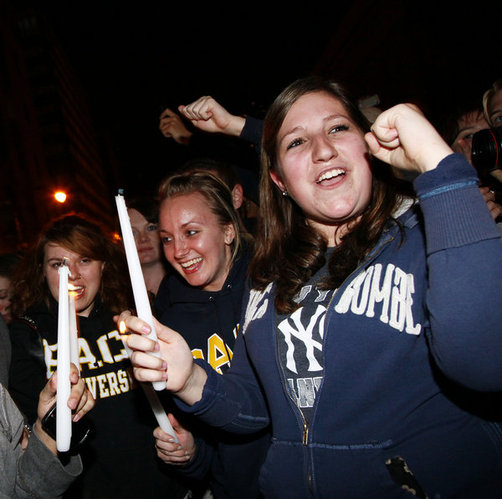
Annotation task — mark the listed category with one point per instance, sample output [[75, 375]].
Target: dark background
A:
[[134, 59]]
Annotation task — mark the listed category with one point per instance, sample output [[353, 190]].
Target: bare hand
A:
[[171, 452], [174, 365], [173, 127], [402, 137], [208, 115], [80, 402], [489, 197]]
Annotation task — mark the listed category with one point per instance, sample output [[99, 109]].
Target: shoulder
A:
[[33, 318]]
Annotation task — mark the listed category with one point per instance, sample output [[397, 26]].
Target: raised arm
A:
[[404, 138], [210, 116]]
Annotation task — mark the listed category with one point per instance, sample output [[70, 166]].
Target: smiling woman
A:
[[99, 279], [200, 231], [361, 343]]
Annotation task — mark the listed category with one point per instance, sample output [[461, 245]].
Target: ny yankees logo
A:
[[295, 328]]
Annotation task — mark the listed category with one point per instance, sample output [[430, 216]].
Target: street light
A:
[[60, 196]]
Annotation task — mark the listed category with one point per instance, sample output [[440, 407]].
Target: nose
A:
[[74, 272], [180, 247], [323, 149], [140, 236]]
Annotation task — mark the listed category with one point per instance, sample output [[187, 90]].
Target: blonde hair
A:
[[487, 97], [216, 193]]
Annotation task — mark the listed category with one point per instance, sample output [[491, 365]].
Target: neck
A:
[[335, 233], [153, 274]]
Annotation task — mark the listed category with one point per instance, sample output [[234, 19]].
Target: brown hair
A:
[[288, 250], [86, 238], [214, 190]]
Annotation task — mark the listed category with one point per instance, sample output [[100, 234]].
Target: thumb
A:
[[50, 387], [177, 426], [164, 332], [48, 394]]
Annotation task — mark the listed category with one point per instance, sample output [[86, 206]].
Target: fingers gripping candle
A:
[[63, 412], [157, 408], [141, 300]]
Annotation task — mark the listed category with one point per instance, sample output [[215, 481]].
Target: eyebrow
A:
[[466, 129], [185, 225], [326, 119]]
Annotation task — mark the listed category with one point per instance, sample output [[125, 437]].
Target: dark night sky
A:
[[134, 59]]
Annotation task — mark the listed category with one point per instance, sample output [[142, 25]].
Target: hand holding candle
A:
[[141, 300], [158, 410]]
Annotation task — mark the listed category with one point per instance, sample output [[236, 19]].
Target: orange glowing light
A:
[[122, 327], [60, 196]]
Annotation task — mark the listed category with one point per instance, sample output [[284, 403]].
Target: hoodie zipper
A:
[[305, 432], [305, 429]]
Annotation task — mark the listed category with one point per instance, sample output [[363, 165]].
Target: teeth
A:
[[331, 174], [75, 290], [191, 263]]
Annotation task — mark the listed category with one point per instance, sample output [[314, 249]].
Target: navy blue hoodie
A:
[[209, 322], [410, 348]]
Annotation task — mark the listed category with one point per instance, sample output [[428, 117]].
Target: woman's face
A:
[[194, 241], [146, 237], [5, 298], [468, 125], [495, 109], [323, 162], [85, 276]]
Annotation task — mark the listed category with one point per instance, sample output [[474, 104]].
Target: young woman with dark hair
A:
[[118, 459]]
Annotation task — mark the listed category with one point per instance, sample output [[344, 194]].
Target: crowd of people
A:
[[337, 336]]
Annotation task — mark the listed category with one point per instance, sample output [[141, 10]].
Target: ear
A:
[[229, 231], [276, 179], [237, 196]]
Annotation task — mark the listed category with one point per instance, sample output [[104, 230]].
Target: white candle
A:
[[74, 346], [140, 293], [158, 410], [63, 412]]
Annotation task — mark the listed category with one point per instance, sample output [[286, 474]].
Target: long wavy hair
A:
[[287, 249], [86, 238], [216, 193]]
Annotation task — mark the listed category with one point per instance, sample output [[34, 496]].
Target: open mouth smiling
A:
[[330, 175], [191, 264], [76, 291]]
